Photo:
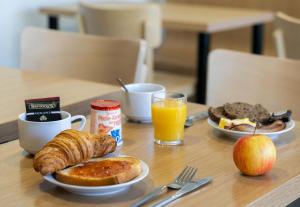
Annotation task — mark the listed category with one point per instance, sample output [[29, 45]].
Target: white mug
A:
[[136, 103], [34, 135]]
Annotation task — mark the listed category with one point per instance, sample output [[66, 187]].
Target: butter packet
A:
[[228, 123], [43, 109]]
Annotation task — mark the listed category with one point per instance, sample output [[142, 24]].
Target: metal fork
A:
[[185, 176]]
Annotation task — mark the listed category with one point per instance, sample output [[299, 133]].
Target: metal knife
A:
[[187, 188], [153, 194], [195, 117]]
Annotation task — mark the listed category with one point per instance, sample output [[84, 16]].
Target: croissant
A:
[[71, 147]]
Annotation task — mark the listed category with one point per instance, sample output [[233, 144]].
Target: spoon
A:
[[195, 117], [122, 84]]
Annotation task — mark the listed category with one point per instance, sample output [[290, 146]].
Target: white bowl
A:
[[100, 190], [237, 134]]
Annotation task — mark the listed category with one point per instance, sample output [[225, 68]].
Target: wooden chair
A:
[[287, 35], [236, 76], [134, 21], [94, 58], [140, 21], [176, 82]]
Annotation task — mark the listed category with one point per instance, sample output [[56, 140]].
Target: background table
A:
[[203, 148], [17, 85], [204, 20]]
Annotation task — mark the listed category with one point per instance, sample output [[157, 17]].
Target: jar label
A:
[[107, 122]]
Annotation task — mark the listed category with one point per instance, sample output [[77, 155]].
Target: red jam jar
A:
[[106, 119]]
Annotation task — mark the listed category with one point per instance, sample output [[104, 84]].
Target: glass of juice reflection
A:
[[168, 117]]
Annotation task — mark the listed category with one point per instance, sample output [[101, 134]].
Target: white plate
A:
[[99, 190], [237, 134]]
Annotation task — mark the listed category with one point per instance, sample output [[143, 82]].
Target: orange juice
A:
[[168, 117]]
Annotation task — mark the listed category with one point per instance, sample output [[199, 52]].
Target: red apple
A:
[[254, 155]]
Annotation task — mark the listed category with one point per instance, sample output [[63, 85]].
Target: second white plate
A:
[[237, 134]]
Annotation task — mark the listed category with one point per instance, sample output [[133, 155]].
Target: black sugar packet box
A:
[[43, 109]]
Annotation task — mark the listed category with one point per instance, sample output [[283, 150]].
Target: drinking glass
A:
[[168, 117]]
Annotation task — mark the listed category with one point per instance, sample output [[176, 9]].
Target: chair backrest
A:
[[129, 20], [142, 21], [287, 35], [88, 57], [236, 76]]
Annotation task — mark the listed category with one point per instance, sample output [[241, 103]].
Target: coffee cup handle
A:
[[82, 122]]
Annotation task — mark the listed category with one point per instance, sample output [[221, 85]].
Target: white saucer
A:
[[237, 134], [142, 120], [99, 190]]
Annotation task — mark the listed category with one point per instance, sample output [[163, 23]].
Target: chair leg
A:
[[279, 42], [202, 64], [53, 22], [257, 38], [149, 63]]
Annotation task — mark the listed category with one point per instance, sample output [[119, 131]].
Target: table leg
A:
[[53, 22], [257, 38], [202, 63]]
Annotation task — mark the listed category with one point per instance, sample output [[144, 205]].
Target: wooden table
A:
[[203, 148], [17, 85], [204, 20]]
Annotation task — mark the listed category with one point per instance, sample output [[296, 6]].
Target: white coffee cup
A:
[[136, 103], [34, 135]]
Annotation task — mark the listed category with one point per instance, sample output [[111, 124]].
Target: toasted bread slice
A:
[[238, 110], [99, 172], [216, 114]]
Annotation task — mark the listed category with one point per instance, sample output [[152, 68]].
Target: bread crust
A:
[[216, 113], [132, 169]]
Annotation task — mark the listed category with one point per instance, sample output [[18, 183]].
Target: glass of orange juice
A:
[[168, 117]]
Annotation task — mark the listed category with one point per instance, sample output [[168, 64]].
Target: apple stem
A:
[[255, 128]]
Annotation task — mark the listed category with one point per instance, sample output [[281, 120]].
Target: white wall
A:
[[15, 15]]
